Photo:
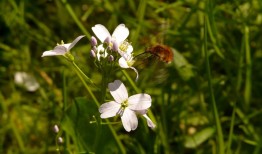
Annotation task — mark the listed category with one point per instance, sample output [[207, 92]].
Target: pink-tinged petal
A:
[[139, 102], [149, 122], [142, 112], [129, 120], [109, 109], [66, 46], [123, 63], [74, 42], [58, 50], [101, 32], [120, 33], [118, 91]]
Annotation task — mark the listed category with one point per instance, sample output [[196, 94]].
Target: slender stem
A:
[[83, 74], [131, 81], [77, 21], [215, 112], [104, 84], [247, 94], [79, 74], [213, 38]]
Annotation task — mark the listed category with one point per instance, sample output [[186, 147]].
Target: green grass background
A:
[[208, 100]]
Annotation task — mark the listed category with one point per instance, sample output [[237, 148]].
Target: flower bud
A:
[[115, 46], [94, 48], [93, 41], [107, 40], [111, 58], [92, 53], [56, 129], [60, 140]]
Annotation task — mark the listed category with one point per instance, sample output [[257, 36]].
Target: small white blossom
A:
[[26, 80], [126, 61], [125, 106], [118, 37], [62, 49], [119, 34]]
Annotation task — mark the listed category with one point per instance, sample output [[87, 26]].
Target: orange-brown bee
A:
[[162, 52]]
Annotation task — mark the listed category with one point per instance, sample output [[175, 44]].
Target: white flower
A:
[[119, 35], [62, 49], [26, 80], [126, 61], [125, 106]]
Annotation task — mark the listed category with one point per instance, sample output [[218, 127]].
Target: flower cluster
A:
[[113, 47], [112, 51]]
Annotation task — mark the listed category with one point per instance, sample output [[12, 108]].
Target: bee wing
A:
[[143, 60]]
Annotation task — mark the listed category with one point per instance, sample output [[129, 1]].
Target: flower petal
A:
[[129, 120], [137, 75], [66, 46], [129, 49], [109, 109], [120, 33], [58, 50], [149, 121], [123, 63], [101, 32], [74, 42], [118, 91], [139, 102]]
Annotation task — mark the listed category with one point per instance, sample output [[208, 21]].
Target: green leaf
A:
[[199, 137], [184, 68], [88, 137]]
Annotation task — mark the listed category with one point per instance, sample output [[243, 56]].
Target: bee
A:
[[150, 63], [162, 52]]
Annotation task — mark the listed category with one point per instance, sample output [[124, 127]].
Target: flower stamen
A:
[[124, 45]]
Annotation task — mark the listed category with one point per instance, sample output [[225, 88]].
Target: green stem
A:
[[247, 94], [79, 74], [215, 112], [213, 38], [77, 21], [131, 81], [83, 74]]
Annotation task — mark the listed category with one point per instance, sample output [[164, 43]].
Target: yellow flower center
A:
[[123, 47], [124, 104]]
